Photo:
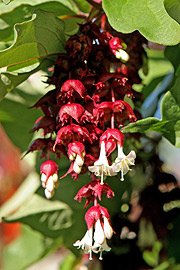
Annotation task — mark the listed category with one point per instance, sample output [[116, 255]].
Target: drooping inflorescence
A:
[[83, 117]]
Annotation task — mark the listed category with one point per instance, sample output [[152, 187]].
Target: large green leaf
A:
[[24, 250], [169, 126], [149, 17], [9, 80], [33, 40], [50, 216], [24, 12], [83, 5], [21, 119], [173, 9]]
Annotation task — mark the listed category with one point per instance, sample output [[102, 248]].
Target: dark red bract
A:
[[49, 168]]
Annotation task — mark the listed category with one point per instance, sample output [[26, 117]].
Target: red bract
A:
[[93, 188], [76, 148], [72, 133], [73, 87], [112, 133], [47, 123], [49, 168], [115, 44], [123, 111], [111, 136], [110, 146], [105, 111], [39, 144], [74, 110], [47, 103], [94, 131], [94, 213]]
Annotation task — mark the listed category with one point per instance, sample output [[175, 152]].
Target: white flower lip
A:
[[122, 162], [101, 166]]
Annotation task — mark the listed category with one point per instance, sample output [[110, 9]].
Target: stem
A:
[[112, 95], [113, 100], [95, 200]]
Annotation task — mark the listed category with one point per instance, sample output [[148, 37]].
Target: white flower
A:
[[122, 55], [122, 162], [100, 243], [86, 242], [101, 166]]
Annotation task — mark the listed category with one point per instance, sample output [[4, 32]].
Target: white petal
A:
[[77, 168], [131, 157], [55, 177], [104, 246], [50, 184], [86, 242], [79, 161], [123, 55], [43, 184], [107, 228], [43, 177], [48, 194], [99, 235]]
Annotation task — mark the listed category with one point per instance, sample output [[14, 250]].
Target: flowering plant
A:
[[90, 125]]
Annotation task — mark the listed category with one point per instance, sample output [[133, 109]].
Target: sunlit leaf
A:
[[51, 216], [33, 40], [169, 126], [24, 250], [8, 80], [148, 17]]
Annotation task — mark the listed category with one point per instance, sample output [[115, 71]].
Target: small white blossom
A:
[[86, 242], [101, 166], [122, 55], [122, 162]]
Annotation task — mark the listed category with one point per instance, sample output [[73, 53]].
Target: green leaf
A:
[[22, 120], [162, 266], [83, 5], [46, 216], [69, 262], [24, 250], [8, 80], [148, 17], [148, 89], [173, 9], [26, 189], [148, 256], [33, 40], [173, 55], [24, 13], [6, 2], [169, 126]]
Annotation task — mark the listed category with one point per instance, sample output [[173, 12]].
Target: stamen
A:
[[102, 182], [90, 255], [122, 176], [100, 256]]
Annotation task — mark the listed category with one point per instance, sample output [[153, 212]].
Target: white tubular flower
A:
[[48, 193], [108, 231], [86, 242], [79, 160], [50, 184], [101, 166], [100, 248], [122, 55], [98, 222], [99, 235], [122, 162]]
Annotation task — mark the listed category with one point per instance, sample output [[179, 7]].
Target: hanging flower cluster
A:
[[82, 119]]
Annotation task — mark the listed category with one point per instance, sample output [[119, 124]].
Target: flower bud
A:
[[77, 168]]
